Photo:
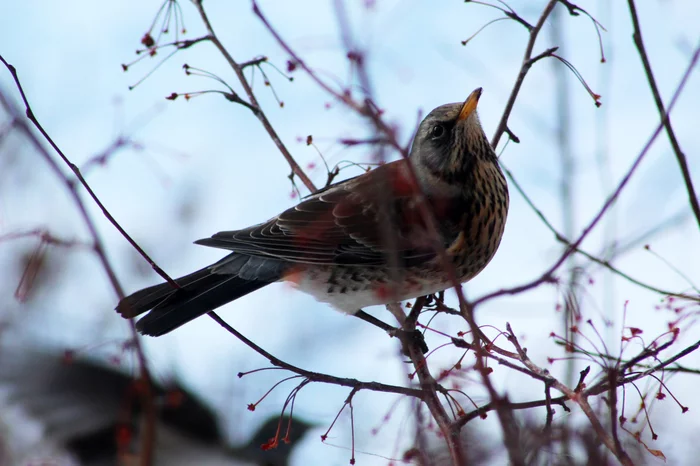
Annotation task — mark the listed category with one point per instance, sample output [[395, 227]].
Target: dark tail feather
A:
[[199, 293], [146, 299]]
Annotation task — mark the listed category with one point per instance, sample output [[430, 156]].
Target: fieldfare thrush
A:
[[362, 241]]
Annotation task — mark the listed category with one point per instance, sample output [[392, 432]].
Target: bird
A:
[[362, 241], [90, 412]]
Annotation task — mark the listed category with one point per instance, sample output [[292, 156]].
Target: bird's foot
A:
[[410, 338]]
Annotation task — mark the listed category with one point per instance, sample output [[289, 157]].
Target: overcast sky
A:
[[200, 166]]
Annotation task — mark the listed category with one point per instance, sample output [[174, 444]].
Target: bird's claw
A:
[[410, 338]]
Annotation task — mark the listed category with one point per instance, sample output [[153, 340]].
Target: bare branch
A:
[[680, 156], [547, 275], [524, 68], [316, 376], [149, 432], [76, 171], [238, 69], [603, 262]]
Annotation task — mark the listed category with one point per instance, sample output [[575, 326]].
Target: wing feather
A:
[[355, 222]]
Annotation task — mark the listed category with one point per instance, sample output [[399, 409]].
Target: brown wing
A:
[[356, 222]]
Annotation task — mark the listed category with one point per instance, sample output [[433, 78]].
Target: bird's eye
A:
[[437, 132]]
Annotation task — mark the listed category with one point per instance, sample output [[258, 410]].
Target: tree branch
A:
[[257, 110], [680, 156], [148, 436], [524, 68], [548, 274], [316, 376]]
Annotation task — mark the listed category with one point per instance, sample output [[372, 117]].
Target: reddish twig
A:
[[601, 387], [578, 396], [429, 388]]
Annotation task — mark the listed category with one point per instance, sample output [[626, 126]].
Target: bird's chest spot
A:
[[479, 237]]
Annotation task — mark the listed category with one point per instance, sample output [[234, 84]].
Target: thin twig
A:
[[612, 405], [429, 387], [602, 386], [149, 432], [317, 376], [238, 69], [482, 410], [524, 68], [76, 171], [548, 274], [605, 263], [680, 156], [577, 395]]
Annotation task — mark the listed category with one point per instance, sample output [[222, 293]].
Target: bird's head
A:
[[450, 141]]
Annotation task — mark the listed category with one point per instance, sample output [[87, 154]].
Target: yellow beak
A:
[[469, 105]]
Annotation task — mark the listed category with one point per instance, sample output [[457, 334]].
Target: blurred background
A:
[[171, 172]]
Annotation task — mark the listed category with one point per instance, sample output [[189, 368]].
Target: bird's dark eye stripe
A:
[[437, 131], [440, 130]]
